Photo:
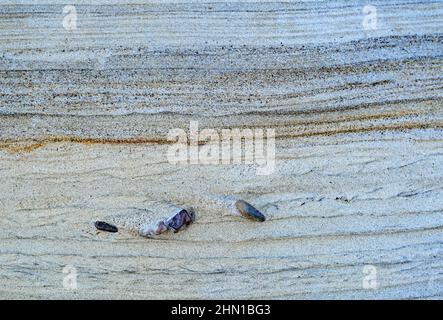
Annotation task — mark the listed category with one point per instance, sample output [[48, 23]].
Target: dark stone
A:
[[248, 211], [180, 220], [104, 226]]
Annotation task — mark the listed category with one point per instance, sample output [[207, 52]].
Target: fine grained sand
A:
[[358, 178]]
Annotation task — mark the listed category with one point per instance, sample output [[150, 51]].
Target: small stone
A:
[[248, 211], [153, 229], [180, 220], [104, 226], [175, 222]]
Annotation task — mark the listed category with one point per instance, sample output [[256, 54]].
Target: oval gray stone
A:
[[248, 211]]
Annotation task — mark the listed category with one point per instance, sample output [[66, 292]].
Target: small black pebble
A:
[[104, 226]]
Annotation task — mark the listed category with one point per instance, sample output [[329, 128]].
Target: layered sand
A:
[[358, 179]]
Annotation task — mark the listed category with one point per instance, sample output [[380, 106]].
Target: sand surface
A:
[[358, 181]]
